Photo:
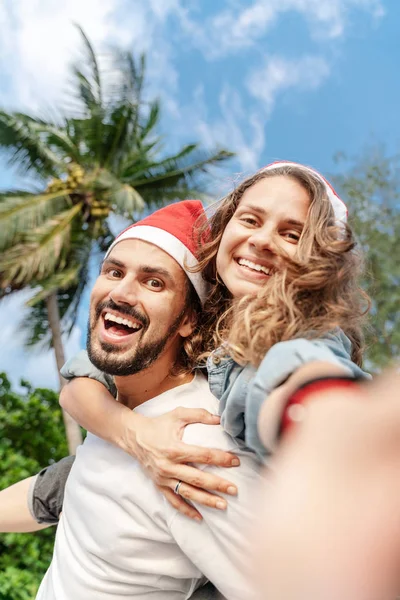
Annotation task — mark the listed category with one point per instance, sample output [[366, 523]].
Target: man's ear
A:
[[188, 324]]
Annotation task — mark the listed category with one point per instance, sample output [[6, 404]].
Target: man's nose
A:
[[125, 291]]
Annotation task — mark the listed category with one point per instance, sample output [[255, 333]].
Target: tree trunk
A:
[[72, 429]]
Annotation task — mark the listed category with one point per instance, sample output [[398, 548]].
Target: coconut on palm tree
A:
[[102, 156]]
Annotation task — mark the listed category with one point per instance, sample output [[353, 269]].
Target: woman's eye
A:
[[292, 235], [249, 220]]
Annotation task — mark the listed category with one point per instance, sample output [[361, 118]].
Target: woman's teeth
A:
[[254, 266]]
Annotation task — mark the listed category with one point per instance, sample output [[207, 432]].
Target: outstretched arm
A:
[[330, 519], [36, 502], [15, 515], [273, 409]]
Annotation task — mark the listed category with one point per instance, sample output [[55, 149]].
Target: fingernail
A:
[[199, 519], [221, 505], [232, 490], [235, 462]]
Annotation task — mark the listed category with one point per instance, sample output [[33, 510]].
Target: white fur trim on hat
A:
[[172, 246], [339, 207]]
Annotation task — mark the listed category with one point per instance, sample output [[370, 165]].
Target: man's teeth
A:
[[254, 266], [121, 321]]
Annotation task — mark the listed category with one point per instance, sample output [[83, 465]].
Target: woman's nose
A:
[[262, 239]]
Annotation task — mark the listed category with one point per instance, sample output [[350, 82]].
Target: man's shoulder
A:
[[197, 394]]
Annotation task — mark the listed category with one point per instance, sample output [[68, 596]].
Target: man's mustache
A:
[[123, 309]]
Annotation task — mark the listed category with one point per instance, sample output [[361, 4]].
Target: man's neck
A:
[[133, 390]]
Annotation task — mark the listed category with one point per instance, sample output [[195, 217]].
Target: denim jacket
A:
[[242, 390]]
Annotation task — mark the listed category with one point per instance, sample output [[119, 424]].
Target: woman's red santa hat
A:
[[172, 229], [339, 207]]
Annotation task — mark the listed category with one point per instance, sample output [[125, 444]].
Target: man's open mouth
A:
[[120, 326]]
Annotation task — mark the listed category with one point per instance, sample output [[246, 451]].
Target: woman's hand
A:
[[330, 520], [157, 445]]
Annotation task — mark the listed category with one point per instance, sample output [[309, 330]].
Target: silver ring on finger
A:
[[176, 489]]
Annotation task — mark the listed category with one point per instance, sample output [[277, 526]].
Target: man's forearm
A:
[[15, 516]]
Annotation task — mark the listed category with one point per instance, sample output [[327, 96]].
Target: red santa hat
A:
[[339, 207], [172, 229]]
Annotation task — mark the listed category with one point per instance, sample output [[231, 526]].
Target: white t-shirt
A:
[[118, 538]]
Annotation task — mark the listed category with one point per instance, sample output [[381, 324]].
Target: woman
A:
[[284, 303]]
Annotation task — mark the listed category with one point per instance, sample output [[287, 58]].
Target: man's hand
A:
[[330, 522], [156, 443]]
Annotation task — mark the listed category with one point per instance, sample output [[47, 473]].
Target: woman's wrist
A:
[[126, 431], [295, 408]]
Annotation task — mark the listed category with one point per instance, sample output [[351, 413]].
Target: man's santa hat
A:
[[172, 229], [339, 207]]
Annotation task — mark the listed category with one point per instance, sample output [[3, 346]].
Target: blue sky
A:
[[269, 79]]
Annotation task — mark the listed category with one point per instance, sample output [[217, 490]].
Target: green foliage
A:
[[103, 155], [32, 437], [371, 186]]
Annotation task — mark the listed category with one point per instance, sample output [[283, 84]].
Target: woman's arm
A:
[[273, 408], [291, 362], [155, 442], [330, 519]]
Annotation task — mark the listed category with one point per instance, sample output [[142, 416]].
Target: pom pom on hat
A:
[[172, 229], [339, 207]]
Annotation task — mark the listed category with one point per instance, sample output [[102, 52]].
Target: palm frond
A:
[[41, 252], [21, 137], [21, 213], [118, 135], [120, 196], [59, 281], [91, 90], [174, 170], [151, 121], [69, 285], [126, 200]]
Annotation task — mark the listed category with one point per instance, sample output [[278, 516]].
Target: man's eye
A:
[[156, 284], [114, 273]]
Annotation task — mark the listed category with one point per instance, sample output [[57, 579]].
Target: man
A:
[[118, 536]]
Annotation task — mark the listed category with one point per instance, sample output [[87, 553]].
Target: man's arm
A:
[[36, 502], [15, 515], [220, 545]]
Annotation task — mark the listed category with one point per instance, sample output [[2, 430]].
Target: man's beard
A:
[[142, 357]]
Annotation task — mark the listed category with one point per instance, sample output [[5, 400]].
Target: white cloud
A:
[[278, 74], [242, 125], [241, 25], [39, 42], [27, 363], [239, 127]]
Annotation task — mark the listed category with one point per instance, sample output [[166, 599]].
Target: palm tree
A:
[[101, 156]]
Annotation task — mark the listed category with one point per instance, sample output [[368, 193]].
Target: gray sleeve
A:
[[280, 362], [46, 493], [80, 366], [207, 592]]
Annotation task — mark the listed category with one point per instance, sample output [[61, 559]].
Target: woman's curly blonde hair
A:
[[312, 294]]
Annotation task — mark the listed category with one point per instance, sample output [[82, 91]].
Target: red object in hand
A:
[[295, 407]]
